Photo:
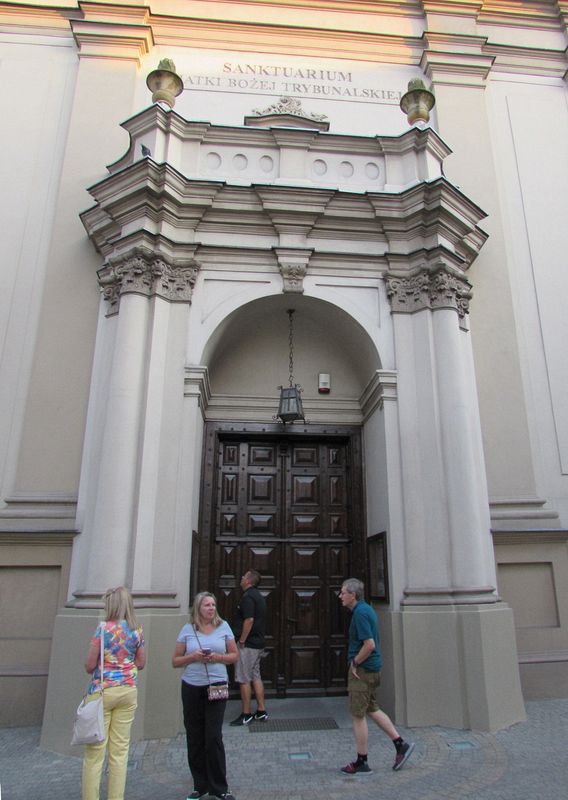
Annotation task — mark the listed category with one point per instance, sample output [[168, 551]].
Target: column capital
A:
[[439, 286], [150, 274]]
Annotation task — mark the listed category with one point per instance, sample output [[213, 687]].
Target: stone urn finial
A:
[[164, 83], [417, 103]]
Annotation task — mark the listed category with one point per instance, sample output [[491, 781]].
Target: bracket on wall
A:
[[293, 265]]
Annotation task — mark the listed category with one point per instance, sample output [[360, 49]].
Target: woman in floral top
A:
[[124, 655]]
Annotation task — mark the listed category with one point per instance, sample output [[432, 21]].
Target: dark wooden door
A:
[[290, 507]]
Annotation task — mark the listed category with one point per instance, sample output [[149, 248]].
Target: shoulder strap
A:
[[103, 626], [199, 643]]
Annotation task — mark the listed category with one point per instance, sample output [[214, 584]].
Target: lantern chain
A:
[[291, 346]]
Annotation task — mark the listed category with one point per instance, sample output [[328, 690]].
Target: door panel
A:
[[284, 505]]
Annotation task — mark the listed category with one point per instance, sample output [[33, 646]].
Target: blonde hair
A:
[[119, 605], [195, 611]]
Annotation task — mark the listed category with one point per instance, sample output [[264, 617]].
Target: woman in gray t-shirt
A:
[[204, 647]]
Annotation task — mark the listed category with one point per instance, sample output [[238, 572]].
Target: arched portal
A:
[[287, 500], [191, 347]]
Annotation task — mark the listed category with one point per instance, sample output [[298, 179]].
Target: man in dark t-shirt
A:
[[249, 629]]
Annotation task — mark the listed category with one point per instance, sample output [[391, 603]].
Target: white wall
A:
[[530, 129], [37, 80]]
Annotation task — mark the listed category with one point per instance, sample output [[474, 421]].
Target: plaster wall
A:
[[33, 143], [463, 120], [533, 579], [102, 93], [34, 573], [529, 153]]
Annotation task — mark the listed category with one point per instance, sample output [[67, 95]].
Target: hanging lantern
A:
[[290, 406]]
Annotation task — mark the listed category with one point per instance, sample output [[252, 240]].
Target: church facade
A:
[[209, 203]]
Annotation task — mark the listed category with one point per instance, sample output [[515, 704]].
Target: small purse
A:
[[215, 691], [89, 725]]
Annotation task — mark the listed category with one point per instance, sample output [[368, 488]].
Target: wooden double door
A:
[[290, 506]]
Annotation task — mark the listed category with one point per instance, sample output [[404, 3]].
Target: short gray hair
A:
[[355, 586]]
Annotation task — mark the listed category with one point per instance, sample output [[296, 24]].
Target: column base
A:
[[454, 666], [159, 707]]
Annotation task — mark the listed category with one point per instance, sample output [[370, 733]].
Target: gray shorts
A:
[[247, 668]]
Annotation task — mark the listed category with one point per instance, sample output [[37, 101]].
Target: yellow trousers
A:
[[119, 704]]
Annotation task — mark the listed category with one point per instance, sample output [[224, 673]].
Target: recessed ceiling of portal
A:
[[249, 354]]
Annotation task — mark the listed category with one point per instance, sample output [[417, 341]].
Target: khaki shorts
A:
[[362, 692], [247, 668]]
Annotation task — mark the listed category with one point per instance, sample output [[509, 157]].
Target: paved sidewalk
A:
[[526, 762]]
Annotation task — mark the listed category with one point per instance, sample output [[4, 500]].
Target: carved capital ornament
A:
[[148, 274], [293, 275], [437, 288]]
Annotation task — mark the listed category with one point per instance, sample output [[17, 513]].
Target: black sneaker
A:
[[197, 795], [261, 716], [242, 719], [403, 755], [357, 768], [226, 796]]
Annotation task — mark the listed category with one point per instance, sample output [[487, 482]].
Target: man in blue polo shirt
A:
[[363, 679]]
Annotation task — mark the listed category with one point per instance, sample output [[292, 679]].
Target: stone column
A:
[[459, 68], [130, 485], [453, 641]]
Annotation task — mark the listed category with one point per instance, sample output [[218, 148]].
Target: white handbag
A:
[[89, 725]]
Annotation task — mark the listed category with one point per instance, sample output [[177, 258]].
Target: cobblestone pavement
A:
[[525, 761]]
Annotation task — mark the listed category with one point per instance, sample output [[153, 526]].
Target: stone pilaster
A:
[[451, 628]]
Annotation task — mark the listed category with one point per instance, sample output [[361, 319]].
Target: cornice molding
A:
[[137, 203], [521, 13], [397, 223], [143, 598], [528, 60], [113, 31], [125, 31], [197, 385], [455, 59], [358, 44], [522, 514], [519, 538], [381, 388], [31, 20], [39, 505], [149, 274], [35, 538], [263, 408], [449, 596]]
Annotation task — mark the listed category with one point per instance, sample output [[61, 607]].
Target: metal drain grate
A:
[[283, 725]]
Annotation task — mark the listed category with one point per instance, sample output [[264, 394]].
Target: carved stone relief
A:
[[438, 288], [293, 266], [143, 272]]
